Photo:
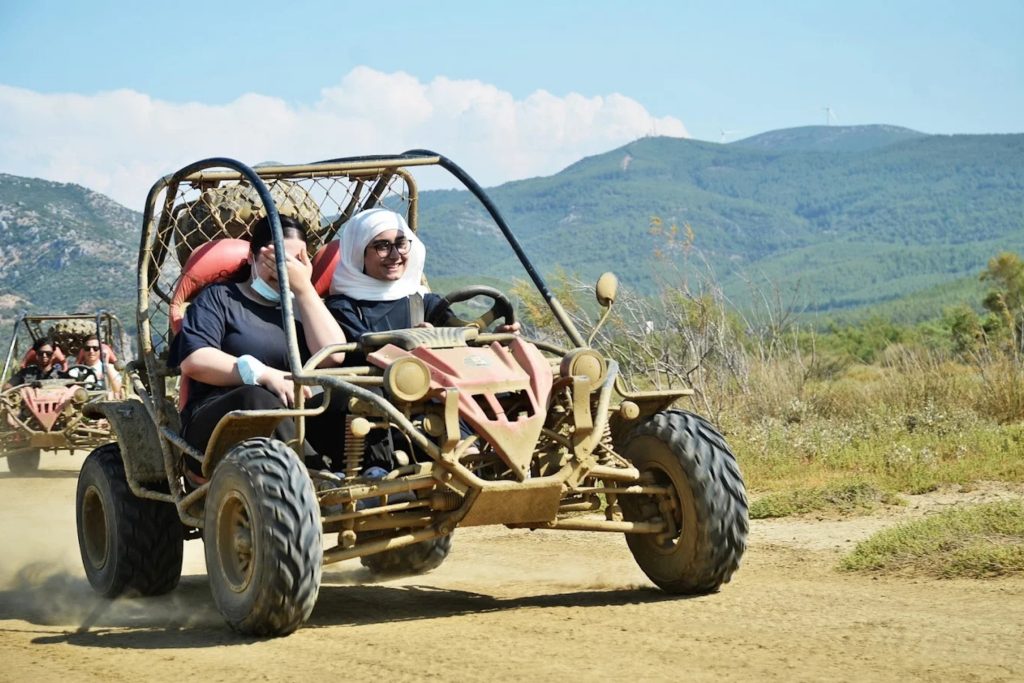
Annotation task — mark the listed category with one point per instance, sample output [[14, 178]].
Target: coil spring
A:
[[607, 444], [355, 446], [445, 500]]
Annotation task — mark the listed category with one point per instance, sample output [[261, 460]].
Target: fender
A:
[[131, 424]]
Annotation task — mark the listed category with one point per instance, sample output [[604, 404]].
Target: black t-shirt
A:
[[357, 317], [32, 373], [222, 317]]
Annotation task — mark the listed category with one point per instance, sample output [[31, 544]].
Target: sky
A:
[[114, 95]]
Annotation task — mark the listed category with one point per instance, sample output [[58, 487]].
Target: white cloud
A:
[[120, 142]]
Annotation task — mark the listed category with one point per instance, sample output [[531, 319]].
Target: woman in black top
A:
[[233, 348]]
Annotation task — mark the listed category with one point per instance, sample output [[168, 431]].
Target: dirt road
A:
[[512, 605]]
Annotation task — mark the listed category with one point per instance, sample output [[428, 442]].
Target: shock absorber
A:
[[613, 511], [355, 446]]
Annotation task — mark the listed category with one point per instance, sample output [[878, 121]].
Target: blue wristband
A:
[[250, 369]]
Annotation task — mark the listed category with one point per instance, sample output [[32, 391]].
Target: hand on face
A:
[[297, 263]]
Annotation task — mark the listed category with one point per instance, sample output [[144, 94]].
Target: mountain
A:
[[847, 217], [846, 227], [829, 138], [65, 249]]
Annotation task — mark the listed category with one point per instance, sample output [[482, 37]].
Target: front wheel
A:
[[128, 544], [23, 462], [262, 539], [705, 511]]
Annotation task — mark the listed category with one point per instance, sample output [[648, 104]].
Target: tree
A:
[[1006, 300]]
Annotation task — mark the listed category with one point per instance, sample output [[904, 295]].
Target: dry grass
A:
[[910, 424], [982, 541]]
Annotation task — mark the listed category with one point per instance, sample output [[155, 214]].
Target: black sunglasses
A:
[[90, 347]]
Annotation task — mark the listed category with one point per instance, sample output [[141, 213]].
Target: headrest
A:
[[324, 263], [211, 262], [30, 357]]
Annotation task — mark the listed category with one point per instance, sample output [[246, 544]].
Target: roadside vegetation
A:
[[981, 541], [823, 416]]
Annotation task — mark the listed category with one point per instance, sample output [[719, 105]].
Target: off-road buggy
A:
[[46, 414], [556, 442]]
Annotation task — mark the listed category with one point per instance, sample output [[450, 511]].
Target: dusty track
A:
[[512, 605]]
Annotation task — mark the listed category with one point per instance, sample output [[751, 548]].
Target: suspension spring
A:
[[355, 446]]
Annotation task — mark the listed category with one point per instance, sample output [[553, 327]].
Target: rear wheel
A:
[[706, 509], [262, 538], [418, 558], [23, 462], [128, 544]]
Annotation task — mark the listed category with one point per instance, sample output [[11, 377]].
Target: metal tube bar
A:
[[594, 525], [337, 554]]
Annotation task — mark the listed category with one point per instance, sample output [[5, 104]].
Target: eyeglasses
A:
[[90, 347], [384, 247], [43, 354]]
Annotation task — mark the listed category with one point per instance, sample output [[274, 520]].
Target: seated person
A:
[[90, 357], [232, 346], [42, 367], [379, 277], [377, 285]]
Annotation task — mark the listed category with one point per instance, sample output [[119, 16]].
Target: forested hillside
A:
[[846, 227], [64, 248], [846, 216]]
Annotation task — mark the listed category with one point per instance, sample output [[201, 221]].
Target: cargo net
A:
[[205, 210]]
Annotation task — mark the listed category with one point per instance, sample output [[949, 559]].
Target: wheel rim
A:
[[670, 509], [235, 542], [94, 528]]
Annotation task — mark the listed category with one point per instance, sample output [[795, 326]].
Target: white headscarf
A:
[[349, 278]]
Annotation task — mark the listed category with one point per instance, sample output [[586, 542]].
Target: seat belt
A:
[[415, 309]]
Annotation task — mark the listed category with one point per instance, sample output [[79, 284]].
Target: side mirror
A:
[[607, 288]]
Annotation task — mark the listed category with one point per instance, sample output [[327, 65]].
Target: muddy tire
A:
[[707, 508], [24, 461], [128, 544], [418, 558], [262, 538]]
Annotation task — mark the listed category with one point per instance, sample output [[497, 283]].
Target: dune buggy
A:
[[46, 414], [556, 441]]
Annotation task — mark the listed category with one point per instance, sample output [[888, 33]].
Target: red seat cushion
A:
[[212, 262], [30, 357], [324, 263]]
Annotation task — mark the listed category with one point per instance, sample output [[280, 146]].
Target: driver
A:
[[377, 285], [91, 358], [44, 366]]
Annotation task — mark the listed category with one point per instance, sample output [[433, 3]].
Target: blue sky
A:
[[102, 92]]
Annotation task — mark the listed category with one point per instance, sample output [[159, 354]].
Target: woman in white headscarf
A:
[[377, 284]]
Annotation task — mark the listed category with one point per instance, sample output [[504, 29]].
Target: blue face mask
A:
[[260, 286]]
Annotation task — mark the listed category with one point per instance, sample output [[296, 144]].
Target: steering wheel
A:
[[502, 307], [84, 374]]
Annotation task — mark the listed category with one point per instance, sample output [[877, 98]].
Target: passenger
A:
[[91, 357], [43, 366], [233, 349]]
